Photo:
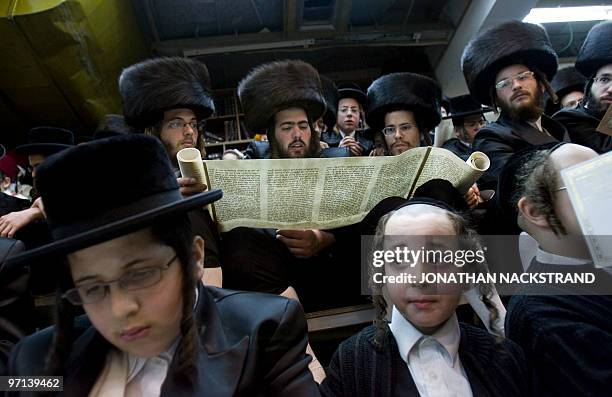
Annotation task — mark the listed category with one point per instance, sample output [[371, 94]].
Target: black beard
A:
[[276, 152], [594, 107]]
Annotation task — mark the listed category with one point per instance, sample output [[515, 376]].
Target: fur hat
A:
[[352, 90], [404, 91], [596, 51], [275, 86], [506, 44], [93, 213], [46, 141], [330, 94], [151, 87]]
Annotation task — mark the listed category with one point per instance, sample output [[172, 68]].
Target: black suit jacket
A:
[[250, 345], [462, 150], [499, 140], [333, 139], [359, 369], [582, 129]]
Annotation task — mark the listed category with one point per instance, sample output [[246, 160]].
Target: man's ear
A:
[[197, 251], [530, 214]]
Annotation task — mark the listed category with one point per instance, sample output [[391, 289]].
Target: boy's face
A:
[[142, 321], [426, 306]]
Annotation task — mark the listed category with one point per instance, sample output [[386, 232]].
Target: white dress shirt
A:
[[433, 360], [343, 135]]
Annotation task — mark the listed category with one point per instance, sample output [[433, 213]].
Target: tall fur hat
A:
[[274, 86], [330, 94], [596, 51], [404, 91], [151, 87], [506, 44]]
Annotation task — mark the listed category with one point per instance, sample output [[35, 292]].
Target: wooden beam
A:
[[290, 18], [342, 15], [151, 20], [430, 33]]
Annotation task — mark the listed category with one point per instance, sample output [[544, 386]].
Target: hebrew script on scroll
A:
[[329, 192]]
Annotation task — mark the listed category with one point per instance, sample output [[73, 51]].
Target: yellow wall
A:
[[60, 59]]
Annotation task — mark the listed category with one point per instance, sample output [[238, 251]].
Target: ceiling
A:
[[346, 40]]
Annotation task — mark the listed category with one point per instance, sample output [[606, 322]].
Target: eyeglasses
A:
[[602, 80], [180, 125], [403, 129], [132, 281], [521, 78]]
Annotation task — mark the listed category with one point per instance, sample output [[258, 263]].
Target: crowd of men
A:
[[546, 120]]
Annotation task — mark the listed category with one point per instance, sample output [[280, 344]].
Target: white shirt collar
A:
[[407, 336], [343, 135], [554, 259]]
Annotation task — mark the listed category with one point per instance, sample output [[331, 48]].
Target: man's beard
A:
[[594, 106], [530, 111], [277, 152]]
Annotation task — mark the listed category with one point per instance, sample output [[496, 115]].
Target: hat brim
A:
[[112, 230], [42, 148], [357, 95], [468, 113]]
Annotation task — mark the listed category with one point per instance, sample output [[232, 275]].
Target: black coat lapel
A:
[[85, 363], [219, 364]]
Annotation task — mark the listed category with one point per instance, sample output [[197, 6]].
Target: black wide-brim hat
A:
[[565, 81], [135, 188], [463, 106], [404, 91], [46, 141], [280, 85], [352, 90], [596, 50], [436, 192], [151, 87], [509, 43], [330, 94]]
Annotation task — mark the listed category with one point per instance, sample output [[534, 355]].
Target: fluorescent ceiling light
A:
[[569, 14]]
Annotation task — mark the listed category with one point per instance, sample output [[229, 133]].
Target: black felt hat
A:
[[352, 90], [275, 86], [2, 151], [463, 106], [404, 91], [46, 141], [151, 87], [111, 125], [509, 43], [108, 202], [330, 94], [437, 192], [565, 81]]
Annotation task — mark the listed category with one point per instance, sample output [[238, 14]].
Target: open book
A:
[[330, 192], [590, 193]]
